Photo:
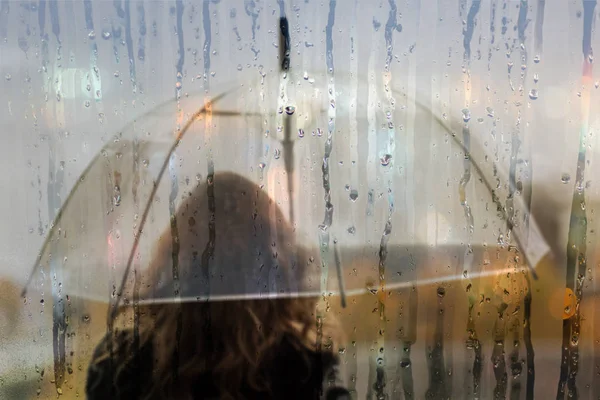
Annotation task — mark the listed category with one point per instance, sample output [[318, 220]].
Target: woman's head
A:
[[228, 239], [227, 244]]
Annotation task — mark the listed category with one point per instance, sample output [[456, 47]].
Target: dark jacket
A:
[[293, 375]]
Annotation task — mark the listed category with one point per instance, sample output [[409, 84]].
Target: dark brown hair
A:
[[228, 239]]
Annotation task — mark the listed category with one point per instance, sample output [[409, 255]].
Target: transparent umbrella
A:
[[286, 132]]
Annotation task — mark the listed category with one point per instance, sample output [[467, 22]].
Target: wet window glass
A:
[[403, 190]]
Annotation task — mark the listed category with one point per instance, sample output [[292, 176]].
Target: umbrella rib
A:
[[113, 313], [485, 182]]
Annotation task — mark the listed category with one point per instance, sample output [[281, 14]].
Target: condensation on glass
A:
[[440, 155]]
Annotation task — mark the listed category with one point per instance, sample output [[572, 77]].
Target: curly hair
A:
[[235, 246]]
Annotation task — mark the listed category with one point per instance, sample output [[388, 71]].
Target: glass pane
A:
[[434, 161]]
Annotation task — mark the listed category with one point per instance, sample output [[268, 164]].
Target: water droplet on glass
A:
[[352, 230], [466, 114], [145, 162], [178, 85], [536, 59], [198, 177], [490, 112], [386, 159], [87, 103], [319, 132], [262, 165], [289, 110], [92, 35], [277, 154], [480, 120], [591, 58], [597, 84], [116, 74], [305, 76], [441, 292], [536, 77], [565, 178], [332, 103], [533, 94], [117, 196], [8, 77], [353, 194], [239, 67], [105, 35], [301, 132]]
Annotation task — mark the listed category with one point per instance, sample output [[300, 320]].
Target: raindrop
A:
[[480, 120], [42, 301], [390, 125], [305, 76], [568, 310], [319, 132], [92, 35], [490, 112], [178, 85], [301, 132], [289, 110], [8, 77], [87, 103], [277, 154], [533, 94], [117, 196], [597, 84], [353, 194], [386, 159], [565, 178], [352, 230], [466, 115], [536, 59], [106, 35], [198, 177], [332, 102], [239, 67], [591, 58], [262, 165], [213, 73], [536, 77], [145, 162], [116, 74], [405, 364], [441, 292]]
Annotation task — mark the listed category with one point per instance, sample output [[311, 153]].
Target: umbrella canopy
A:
[[285, 133]]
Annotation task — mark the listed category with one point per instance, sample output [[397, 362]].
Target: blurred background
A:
[[441, 154]]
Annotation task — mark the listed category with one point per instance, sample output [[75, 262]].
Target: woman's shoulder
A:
[[301, 372]]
